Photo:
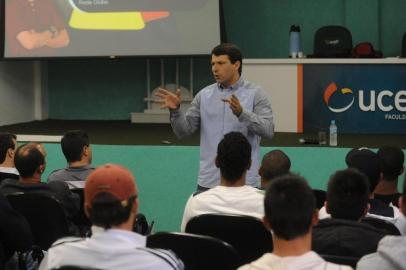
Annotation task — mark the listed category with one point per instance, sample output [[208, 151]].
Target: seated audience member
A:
[[78, 153], [7, 149], [111, 203], [367, 162], [290, 212], [347, 202], [15, 232], [30, 162], [391, 253], [391, 161], [232, 196], [274, 163]]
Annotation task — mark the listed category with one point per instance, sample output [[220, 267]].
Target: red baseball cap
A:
[[110, 178]]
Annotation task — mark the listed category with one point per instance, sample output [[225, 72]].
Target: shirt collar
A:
[[233, 86], [9, 170]]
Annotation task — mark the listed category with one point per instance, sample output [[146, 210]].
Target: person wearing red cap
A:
[[111, 203]]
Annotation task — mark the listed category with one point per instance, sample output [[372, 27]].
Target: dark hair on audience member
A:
[[27, 159], [275, 163], [6, 142], [289, 206], [72, 144], [233, 156], [347, 194], [391, 161], [367, 162], [231, 50], [107, 211]]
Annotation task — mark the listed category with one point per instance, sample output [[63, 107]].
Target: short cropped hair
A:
[[231, 50], [289, 206], [6, 142], [275, 163], [72, 144], [107, 211], [27, 159], [347, 194], [391, 161], [233, 156]]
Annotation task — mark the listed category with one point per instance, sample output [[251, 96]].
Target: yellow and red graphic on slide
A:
[[121, 20], [329, 92]]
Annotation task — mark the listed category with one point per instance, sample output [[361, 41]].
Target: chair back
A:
[[246, 234], [44, 214], [383, 225], [197, 252], [81, 219], [320, 196], [332, 41], [343, 260]]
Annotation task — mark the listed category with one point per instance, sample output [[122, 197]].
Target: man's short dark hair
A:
[[231, 50], [233, 156], [28, 158], [107, 211], [289, 206], [275, 163], [391, 161], [6, 142], [367, 162], [72, 144], [347, 194]]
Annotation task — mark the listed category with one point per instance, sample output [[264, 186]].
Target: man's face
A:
[[224, 71]]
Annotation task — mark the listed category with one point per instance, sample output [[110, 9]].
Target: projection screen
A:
[[87, 28]]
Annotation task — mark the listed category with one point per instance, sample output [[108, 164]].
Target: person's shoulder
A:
[[55, 174], [207, 89], [65, 240], [166, 259]]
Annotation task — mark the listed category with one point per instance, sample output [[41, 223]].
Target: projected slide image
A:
[[52, 28]]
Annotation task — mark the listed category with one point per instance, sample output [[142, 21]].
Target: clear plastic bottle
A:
[[333, 133]]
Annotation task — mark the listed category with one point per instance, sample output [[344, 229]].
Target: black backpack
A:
[[332, 41]]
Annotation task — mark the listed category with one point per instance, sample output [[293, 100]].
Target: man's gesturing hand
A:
[[235, 105], [168, 99]]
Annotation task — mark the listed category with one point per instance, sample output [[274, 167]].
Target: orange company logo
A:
[[332, 92]]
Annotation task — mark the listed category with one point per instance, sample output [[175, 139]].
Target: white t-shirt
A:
[[245, 200], [323, 214], [109, 249], [307, 261]]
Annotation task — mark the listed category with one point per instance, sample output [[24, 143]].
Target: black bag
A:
[[332, 41]]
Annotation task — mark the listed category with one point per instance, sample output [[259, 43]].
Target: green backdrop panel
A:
[[166, 175]]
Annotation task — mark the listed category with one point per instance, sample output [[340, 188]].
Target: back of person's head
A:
[[367, 162], [29, 159], [274, 163], [231, 50], [72, 144], [7, 141], [289, 206], [110, 196], [347, 194], [391, 161], [233, 156]]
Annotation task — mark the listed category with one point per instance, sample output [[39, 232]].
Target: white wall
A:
[[280, 83], [20, 92]]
